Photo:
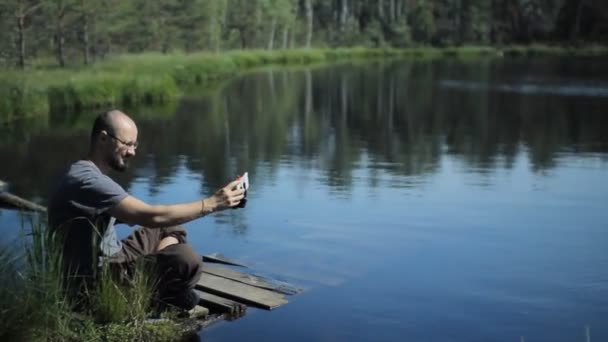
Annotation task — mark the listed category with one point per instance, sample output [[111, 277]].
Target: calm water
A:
[[427, 201]]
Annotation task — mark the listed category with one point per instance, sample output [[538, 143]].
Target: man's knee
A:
[[185, 254], [177, 232], [181, 259]]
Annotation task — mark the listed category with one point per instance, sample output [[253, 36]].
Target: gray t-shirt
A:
[[78, 211]]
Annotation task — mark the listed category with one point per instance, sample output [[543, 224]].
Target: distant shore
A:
[[153, 78]]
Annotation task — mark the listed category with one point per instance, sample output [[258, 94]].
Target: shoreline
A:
[[154, 78]]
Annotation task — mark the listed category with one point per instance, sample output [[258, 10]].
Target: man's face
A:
[[122, 146]]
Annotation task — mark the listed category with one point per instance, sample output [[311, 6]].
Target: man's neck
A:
[[103, 167]]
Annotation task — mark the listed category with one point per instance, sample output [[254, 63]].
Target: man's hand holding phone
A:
[[232, 195]]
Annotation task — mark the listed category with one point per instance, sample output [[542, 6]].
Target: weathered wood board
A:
[[221, 305], [220, 259], [240, 292], [11, 201], [250, 279]]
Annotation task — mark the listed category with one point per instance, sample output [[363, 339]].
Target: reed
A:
[[34, 306]]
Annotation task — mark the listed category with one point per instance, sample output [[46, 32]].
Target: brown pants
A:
[[177, 267]]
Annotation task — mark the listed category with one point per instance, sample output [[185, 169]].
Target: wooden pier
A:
[[227, 292]]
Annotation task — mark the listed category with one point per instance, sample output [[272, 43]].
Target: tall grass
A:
[[31, 293], [123, 302], [101, 89], [34, 305], [21, 97]]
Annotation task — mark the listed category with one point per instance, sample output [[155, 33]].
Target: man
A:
[[87, 203]]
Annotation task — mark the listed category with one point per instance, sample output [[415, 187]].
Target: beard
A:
[[118, 163]]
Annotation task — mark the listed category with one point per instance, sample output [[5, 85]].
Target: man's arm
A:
[[134, 211]]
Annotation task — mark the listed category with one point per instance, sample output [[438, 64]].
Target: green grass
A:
[[154, 78], [21, 97], [35, 308]]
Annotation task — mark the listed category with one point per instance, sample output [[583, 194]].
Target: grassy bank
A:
[[155, 78], [35, 308]]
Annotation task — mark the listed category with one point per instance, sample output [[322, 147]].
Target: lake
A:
[[439, 200]]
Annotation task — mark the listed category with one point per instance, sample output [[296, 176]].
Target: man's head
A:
[[113, 139]]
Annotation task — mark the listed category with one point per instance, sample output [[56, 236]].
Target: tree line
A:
[[81, 31]]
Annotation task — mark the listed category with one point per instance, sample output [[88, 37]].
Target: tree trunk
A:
[[285, 36], [309, 18], [272, 30], [85, 38], [398, 10], [577, 22], [380, 9], [343, 15], [20, 16], [391, 15], [85, 33], [464, 19], [243, 39], [59, 36], [21, 41]]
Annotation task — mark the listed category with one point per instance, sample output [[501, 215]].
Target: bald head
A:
[[111, 122], [113, 141]]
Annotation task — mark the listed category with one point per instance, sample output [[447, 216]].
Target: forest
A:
[[76, 32]]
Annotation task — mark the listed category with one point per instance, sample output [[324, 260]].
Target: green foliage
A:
[[422, 21], [111, 27], [402, 36], [20, 97]]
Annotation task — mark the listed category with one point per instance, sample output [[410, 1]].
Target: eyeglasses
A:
[[128, 144]]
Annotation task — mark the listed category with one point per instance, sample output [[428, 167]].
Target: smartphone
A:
[[244, 181], [244, 184]]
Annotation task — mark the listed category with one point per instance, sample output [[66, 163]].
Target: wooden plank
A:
[[220, 259], [220, 304], [250, 279], [243, 293], [11, 201]]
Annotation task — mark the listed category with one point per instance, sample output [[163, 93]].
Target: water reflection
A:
[[590, 90], [398, 118]]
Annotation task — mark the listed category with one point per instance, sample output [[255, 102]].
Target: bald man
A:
[[87, 203]]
